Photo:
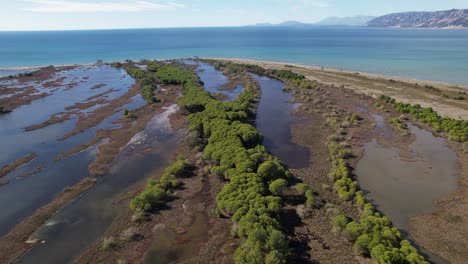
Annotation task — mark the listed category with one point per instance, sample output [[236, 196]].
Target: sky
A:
[[108, 14]]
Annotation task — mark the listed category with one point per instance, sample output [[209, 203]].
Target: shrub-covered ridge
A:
[[372, 234], [234, 147], [457, 130]]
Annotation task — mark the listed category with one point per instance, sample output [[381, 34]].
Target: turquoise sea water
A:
[[440, 55]]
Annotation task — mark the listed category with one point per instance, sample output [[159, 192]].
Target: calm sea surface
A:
[[440, 55]]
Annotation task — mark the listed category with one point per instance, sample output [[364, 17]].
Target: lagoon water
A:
[[439, 55]]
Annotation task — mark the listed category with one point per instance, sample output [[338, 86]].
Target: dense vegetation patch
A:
[[373, 234], [255, 179], [147, 82], [457, 130], [235, 147], [159, 73], [157, 192], [284, 75]]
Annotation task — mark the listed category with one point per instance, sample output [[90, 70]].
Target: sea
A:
[[427, 54]]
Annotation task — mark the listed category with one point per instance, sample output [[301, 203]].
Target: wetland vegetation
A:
[[456, 130], [225, 172]]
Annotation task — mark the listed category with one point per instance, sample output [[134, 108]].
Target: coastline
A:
[[336, 70], [406, 90], [265, 62], [440, 96]]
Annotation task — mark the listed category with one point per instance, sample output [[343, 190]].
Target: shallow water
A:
[[23, 195], [16, 143], [214, 80], [274, 120], [400, 187], [170, 247], [74, 227]]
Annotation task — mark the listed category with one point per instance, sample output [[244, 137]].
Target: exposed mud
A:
[[15, 164]]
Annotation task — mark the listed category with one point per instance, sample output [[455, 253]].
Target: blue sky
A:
[[99, 14]]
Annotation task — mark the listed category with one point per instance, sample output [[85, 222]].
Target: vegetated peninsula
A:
[[455, 18]]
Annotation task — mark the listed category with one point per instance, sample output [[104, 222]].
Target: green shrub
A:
[[456, 130], [361, 246], [271, 170], [352, 231], [339, 223], [157, 192], [360, 199], [309, 198], [276, 187], [302, 188], [275, 257], [355, 118]]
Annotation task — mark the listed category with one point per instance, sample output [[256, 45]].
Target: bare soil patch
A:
[[15, 164]]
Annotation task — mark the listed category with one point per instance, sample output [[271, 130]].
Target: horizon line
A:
[[259, 25]]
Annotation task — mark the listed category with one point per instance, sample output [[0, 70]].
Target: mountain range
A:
[[455, 18], [330, 21]]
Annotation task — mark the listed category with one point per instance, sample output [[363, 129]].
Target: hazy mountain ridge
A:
[[346, 21], [455, 18], [329, 21]]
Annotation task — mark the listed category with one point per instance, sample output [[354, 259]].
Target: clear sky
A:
[[100, 14]]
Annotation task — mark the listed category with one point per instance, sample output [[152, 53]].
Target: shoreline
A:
[[343, 71], [267, 62], [442, 97]]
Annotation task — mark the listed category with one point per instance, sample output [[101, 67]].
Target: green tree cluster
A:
[[235, 148], [171, 74], [398, 123], [457, 130], [285, 75], [147, 82], [277, 186], [304, 189], [339, 172], [373, 235], [157, 191]]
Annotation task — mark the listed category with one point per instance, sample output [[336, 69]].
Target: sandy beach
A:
[[441, 98]]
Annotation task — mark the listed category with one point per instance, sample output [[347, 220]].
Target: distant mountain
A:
[[294, 24], [455, 18], [331, 21], [264, 25], [345, 21], [285, 24]]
